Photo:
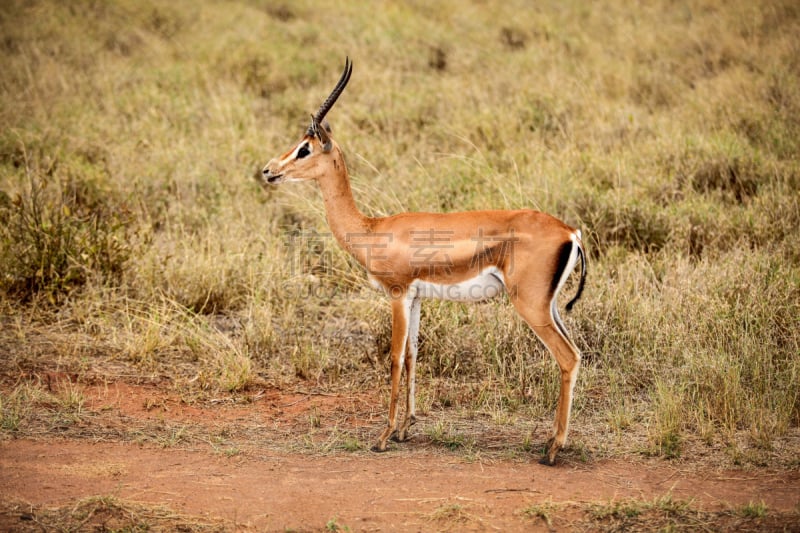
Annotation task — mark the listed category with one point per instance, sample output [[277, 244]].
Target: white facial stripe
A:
[[291, 156]]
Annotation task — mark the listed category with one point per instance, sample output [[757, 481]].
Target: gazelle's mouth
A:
[[273, 178]]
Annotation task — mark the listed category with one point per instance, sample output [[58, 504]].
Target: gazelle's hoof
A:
[[377, 448], [545, 460], [397, 437], [550, 450]]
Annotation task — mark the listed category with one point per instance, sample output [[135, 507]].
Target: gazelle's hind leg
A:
[[411, 365], [545, 322]]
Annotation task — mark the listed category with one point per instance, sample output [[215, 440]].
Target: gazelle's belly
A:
[[486, 285]]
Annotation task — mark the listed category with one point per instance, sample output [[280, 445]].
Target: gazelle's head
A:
[[313, 155]]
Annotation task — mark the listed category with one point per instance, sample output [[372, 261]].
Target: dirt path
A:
[[249, 485], [365, 493]]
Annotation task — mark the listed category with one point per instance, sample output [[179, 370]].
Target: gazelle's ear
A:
[[322, 131]]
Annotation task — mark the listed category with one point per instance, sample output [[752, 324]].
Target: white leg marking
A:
[[413, 334]]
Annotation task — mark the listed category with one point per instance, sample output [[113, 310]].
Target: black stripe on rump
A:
[[563, 260]]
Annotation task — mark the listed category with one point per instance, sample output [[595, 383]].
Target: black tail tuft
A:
[[582, 282]]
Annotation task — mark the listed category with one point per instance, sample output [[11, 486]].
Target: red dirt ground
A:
[[409, 490]]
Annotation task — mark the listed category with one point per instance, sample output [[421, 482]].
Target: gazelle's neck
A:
[[344, 217]]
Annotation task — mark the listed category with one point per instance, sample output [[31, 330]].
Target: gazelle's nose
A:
[[269, 177]]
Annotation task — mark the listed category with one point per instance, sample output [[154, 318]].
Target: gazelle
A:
[[468, 256]]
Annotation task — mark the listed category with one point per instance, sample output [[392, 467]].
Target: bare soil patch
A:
[[231, 472]]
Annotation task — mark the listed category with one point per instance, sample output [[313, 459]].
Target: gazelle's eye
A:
[[303, 151]]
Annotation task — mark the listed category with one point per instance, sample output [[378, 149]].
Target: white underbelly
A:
[[486, 285]]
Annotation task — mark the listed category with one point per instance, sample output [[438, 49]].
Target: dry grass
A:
[[134, 243], [108, 513], [101, 513]]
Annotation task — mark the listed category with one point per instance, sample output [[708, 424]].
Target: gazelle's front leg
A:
[[411, 367], [401, 310]]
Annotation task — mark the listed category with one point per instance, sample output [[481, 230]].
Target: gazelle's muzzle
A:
[[269, 177]]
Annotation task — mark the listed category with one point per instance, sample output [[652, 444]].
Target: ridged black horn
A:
[[328, 103]]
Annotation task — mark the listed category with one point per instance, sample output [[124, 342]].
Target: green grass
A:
[[333, 525], [445, 435], [543, 511], [754, 510], [133, 235]]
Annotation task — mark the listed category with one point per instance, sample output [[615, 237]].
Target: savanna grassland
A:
[[137, 245]]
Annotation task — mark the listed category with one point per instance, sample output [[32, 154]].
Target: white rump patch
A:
[[573, 260]]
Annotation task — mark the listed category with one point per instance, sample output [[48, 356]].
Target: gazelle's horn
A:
[[316, 120]]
